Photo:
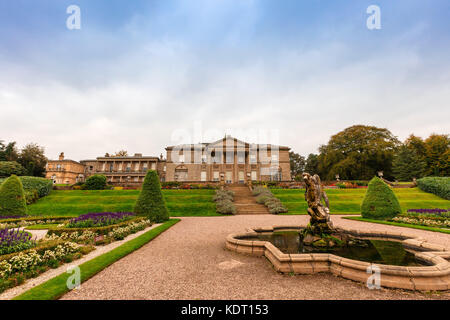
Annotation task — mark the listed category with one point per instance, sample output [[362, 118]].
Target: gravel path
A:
[[99, 250], [189, 261]]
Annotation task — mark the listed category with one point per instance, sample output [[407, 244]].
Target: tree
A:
[[32, 158], [297, 165], [437, 155], [12, 198], [96, 182], [380, 202], [312, 164], [357, 153], [8, 152], [407, 164], [8, 168], [151, 201], [121, 153]]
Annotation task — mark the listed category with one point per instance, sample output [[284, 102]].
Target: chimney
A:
[[61, 156]]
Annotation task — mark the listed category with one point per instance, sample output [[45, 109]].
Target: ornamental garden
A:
[[43, 228]]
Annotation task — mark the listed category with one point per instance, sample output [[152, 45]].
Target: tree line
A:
[[360, 152], [28, 161]]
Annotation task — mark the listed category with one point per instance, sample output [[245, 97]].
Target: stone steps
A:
[[245, 201]]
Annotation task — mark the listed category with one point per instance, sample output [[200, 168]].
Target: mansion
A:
[[227, 160]]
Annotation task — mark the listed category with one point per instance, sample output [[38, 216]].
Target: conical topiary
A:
[[380, 201], [151, 202], [12, 198]]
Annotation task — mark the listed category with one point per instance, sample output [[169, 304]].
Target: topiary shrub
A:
[[12, 198], [380, 202], [150, 201], [8, 168], [96, 182]]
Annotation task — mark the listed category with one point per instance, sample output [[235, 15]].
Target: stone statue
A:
[[320, 222]]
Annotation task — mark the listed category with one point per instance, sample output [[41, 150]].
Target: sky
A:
[[145, 74]]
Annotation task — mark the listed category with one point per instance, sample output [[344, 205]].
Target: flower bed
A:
[[14, 240], [429, 222], [15, 268], [99, 219], [265, 196], [187, 186], [99, 235], [24, 222], [433, 212]]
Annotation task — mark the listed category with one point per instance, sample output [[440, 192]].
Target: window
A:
[[181, 158], [153, 166], [216, 176], [254, 176], [229, 177], [203, 176], [204, 158], [253, 158], [274, 157]]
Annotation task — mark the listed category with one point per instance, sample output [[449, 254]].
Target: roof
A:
[[225, 142]]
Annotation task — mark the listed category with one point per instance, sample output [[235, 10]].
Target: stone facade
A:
[[124, 169], [228, 160], [64, 171]]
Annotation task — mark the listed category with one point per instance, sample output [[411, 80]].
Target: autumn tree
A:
[[8, 152], [358, 152], [32, 158], [407, 164], [437, 155], [312, 164], [297, 164]]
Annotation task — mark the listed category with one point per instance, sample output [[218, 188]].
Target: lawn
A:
[[348, 201], [75, 202]]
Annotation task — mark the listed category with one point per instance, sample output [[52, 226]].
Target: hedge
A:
[[41, 185], [439, 186], [380, 202]]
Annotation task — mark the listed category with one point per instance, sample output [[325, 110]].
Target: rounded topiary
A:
[[151, 202], [12, 198], [96, 182], [380, 202]]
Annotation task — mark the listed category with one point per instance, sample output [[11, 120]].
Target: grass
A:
[[348, 201], [57, 287], [400, 224], [72, 203]]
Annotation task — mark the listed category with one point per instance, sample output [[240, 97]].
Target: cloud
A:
[[96, 92]]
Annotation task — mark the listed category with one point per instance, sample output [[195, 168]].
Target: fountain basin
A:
[[434, 274]]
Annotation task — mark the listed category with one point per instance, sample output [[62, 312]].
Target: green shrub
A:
[[96, 182], [439, 186], [8, 168], [264, 196], [150, 201], [380, 201], [12, 198], [224, 202]]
